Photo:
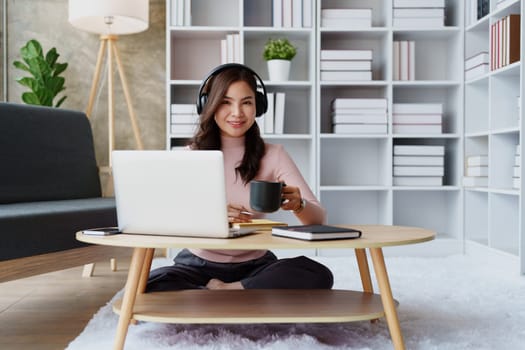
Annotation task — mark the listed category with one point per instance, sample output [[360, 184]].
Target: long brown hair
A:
[[208, 135]]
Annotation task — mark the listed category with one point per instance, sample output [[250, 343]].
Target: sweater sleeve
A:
[[288, 172]]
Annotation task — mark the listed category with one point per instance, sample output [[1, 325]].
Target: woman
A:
[[228, 110]]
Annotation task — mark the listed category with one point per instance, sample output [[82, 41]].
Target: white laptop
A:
[[174, 193]]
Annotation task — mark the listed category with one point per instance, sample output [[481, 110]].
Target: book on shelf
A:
[[475, 181], [419, 160], [359, 118], [517, 160], [316, 232], [183, 128], [409, 22], [183, 108], [419, 12], [101, 231], [417, 128], [359, 103], [478, 170], [346, 55], [346, 75], [516, 182], [279, 112], [417, 108], [297, 13], [416, 118], [277, 14], [477, 59], [292, 13], [342, 65], [345, 23], [346, 18], [418, 3], [180, 13], [361, 111], [404, 59], [184, 119], [417, 181], [307, 13], [269, 116], [346, 13], [419, 170], [476, 160], [231, 49], [505, 41], [287, 13], [258, 224], [360, 128], [416, 150]]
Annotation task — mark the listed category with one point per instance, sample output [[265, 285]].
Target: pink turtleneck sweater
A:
[[276, 165]]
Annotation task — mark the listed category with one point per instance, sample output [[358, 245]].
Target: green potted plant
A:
[[45, 81], [278, 53]]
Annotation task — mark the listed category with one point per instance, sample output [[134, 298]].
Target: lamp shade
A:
[[109, 16]]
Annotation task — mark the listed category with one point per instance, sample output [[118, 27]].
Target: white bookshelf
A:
[[356, 186], [352, 173], [493, 214]]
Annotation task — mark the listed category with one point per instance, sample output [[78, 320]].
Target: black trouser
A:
[[267, 272]]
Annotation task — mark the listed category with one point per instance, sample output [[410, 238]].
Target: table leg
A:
[[389, 305], [364, 270], [146, 267], [130, 293]]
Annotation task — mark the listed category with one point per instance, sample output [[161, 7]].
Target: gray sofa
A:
[[49, 189]]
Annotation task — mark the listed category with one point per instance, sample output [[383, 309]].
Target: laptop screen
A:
[[170, 192]]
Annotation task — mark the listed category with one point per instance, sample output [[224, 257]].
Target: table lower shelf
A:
[[256, 306]]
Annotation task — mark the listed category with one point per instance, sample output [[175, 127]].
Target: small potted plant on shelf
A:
[[279, 53]]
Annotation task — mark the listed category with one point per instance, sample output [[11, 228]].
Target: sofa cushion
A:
[[46, 154], [43, 227]]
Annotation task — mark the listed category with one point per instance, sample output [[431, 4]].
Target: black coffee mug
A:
[[265, 196]]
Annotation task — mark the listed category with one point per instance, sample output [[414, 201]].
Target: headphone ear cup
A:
[[261, 104], [202, 102]]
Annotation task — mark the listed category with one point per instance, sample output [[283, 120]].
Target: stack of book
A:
[[184, 118], [477, 65], [404, 60], [291, 13], [346, 18], [231, 49], [505, 41], [272, 122], [476, 171], [344, 65], [417, 118], [417, 165], [419, 13], [359, 115], [516, 178], [180, 13]]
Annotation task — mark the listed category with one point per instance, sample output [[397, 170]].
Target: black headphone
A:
[[261, 98]]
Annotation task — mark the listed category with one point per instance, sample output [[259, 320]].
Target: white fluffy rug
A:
[[455, 302]]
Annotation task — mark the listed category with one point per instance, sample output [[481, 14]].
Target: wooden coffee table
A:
[[261, 306]]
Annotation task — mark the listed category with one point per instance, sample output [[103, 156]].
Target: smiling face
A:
[[236, 113]]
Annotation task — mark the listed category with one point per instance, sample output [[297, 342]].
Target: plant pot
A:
[[279, 70]]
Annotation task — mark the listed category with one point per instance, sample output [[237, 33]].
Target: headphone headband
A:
[[261, 99]]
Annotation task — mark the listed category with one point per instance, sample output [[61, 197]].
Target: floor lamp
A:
[[109, 19]]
